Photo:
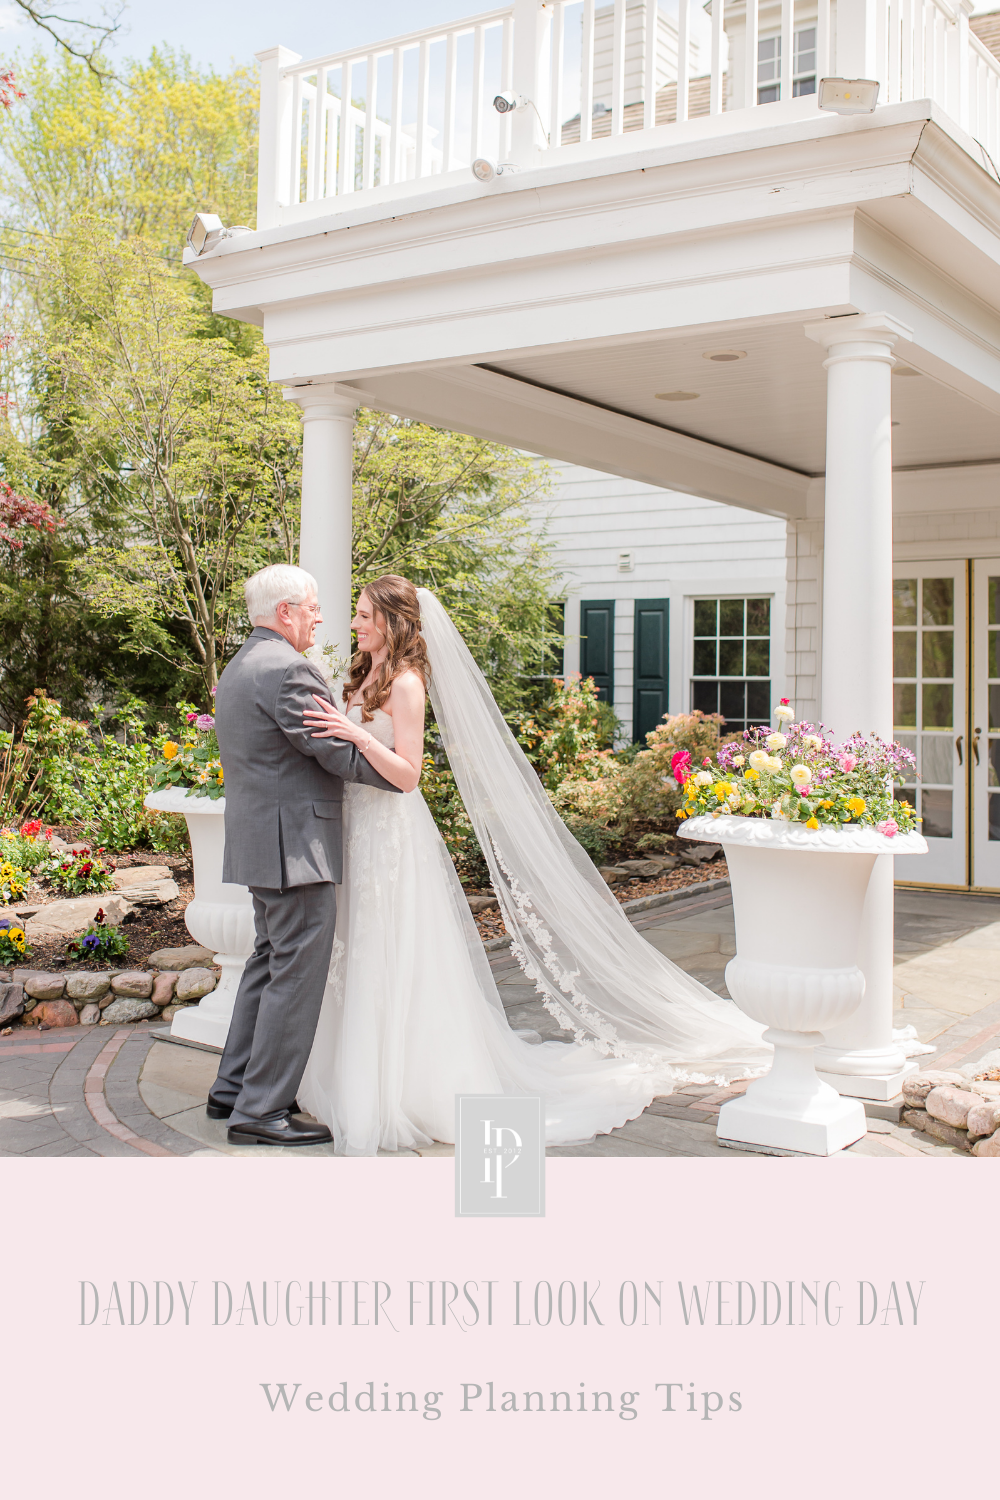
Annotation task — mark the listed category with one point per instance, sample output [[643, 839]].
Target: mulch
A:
[[490, 923]]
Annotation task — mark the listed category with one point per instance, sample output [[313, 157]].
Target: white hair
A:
[[278, 584]]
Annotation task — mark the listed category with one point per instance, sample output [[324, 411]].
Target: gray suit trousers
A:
[[278, 1002]]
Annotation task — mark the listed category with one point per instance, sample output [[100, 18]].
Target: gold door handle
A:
[[975, 744], [958, 747]]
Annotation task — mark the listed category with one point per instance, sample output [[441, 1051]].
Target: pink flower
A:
[[214, 691], [680, 766], [707, 761], [191, 718], [888, 829], [205, 721], [848, 762]]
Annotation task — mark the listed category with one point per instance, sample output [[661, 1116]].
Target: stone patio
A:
[[103, 1091]]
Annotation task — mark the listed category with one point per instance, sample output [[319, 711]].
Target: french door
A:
[[930, 714], [946, 692], [985, 726]]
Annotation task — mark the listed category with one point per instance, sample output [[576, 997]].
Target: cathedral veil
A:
[[596, 975]]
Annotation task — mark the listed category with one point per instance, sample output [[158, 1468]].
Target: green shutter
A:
[[597, 645], [650, 671]]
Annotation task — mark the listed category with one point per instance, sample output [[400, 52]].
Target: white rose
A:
[[704, 778], [774, 762], [776, 742], [813, 741], [784, 713], [739, 760], [759, 760], [801, 775]]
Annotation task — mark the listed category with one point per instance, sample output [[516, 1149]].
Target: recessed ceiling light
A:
[[725, 356], [895, 424], [677, 395]]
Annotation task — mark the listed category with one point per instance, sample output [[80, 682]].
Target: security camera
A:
[[485, 170], [505, 103]]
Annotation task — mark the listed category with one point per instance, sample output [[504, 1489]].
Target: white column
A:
[[327, 487], [860, 1057]]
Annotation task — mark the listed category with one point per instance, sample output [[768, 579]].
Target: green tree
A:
[[144, 151], [454, 514], [180, 431]]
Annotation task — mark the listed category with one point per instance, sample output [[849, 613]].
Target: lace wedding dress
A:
[[411, 1015]]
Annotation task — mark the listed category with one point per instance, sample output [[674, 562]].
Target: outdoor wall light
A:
[[485, 170], [848, 96], [208, 230]]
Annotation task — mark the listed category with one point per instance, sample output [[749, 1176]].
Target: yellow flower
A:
[[170, 750], [681, 813], [722, 790], [812, 823], [827, 803], [856, 805], [751, 774]]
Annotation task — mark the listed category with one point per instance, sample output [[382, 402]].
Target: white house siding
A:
[[682, 548]]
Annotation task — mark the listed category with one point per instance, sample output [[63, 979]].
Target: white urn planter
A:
[[798, 895], [220, 917]]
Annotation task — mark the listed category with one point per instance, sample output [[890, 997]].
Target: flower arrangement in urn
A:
[[796, 775], [193, 760]]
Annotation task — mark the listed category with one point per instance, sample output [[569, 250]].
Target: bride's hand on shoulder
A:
[[330, 723]]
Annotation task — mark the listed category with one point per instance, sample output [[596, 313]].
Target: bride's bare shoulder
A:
[[407, 692]]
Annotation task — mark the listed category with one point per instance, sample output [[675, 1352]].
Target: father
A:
[[284, 791]]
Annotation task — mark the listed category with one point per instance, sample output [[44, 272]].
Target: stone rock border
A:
[[178, 977], [960, 1108]]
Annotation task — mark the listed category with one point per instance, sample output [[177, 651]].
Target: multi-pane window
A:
[[923, 617], [803, 65], [732, 660], [993, 726]]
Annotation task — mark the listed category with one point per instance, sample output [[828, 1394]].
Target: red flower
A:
[[33, 829], [680, 766]]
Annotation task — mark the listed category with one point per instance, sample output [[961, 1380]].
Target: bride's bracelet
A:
[[364, 747]]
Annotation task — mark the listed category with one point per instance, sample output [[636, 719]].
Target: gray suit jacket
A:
[[284, 789]]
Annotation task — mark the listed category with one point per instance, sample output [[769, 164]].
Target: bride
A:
[[411, 1015]]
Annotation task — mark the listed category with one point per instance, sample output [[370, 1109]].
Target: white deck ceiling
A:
[[770, 405]]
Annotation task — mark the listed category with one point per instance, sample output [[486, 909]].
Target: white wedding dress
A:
[[412, 1016]]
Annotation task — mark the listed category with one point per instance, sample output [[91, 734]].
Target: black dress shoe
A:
[[216, 1110], [286, 1132]]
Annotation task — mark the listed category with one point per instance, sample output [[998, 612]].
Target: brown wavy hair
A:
[[395, 599]]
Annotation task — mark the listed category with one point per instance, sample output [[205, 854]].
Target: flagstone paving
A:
[[104, 1091]]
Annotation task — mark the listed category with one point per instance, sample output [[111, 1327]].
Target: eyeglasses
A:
[[314, 609]]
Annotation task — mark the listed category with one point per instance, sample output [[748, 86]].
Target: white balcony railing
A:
[[384, 119]]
